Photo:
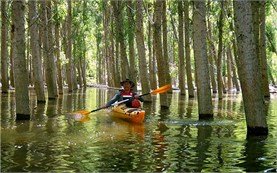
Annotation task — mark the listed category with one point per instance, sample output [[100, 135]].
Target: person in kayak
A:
[[126, 93]]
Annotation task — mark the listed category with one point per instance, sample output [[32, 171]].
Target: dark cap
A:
[[129, 81]]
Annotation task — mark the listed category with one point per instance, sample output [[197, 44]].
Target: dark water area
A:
[[172, 140]]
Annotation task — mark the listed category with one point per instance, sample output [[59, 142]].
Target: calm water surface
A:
[[169, 140]]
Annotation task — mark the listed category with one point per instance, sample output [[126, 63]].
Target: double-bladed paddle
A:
[[160, 90]]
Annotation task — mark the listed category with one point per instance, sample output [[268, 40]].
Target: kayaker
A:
[[126, 93]]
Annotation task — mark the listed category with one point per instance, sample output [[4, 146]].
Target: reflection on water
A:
[[171, 140]]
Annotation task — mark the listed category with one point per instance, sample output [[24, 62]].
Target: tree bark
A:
[[68, 53], [181, 69], [144, 75], [36, 59], [205, 107], [187, 50], [4, 49], [158, 51], [220, 50], [248, 69], [20, 69]]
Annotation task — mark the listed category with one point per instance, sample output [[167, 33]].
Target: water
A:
[[171, 140]]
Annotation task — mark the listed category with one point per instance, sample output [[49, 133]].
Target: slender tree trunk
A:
[[12, 52], [83, 64], [4, 49], [152, 62], [144, 75], [248, 69], [158, 51], [220, 50], [36, 58], [234, 72], [51, 71], [229, 69], [204, 97], [69, 68], [118, 10], [181, 69], [20, 69], [131, 40], [165, 43], [187, 47], [59, 62], [262, 48]]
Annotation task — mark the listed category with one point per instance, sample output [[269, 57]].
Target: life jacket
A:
[[134, 103]]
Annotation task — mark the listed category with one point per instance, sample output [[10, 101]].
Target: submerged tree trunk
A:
[[158, 51], [248, 69], [220, 50], [68, 52], [36, 58], [143, 69], [181, 69], [4, 49], [20, 69], [204, 97], [187, 47]]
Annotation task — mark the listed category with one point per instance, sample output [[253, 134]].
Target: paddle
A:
[[160, 90]]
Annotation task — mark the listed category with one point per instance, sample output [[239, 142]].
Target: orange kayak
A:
[[135, 115]]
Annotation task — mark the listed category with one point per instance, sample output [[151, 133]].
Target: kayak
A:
[[135, 115]]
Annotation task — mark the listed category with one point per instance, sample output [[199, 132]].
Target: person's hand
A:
[[136, 96]]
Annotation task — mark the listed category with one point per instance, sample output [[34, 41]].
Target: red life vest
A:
[[134, 103]]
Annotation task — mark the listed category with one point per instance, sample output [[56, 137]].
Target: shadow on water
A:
[[172, 140]]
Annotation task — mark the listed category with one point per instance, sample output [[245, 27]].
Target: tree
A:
[[205, 108], [158, 50], [187, 49], [36, 59], [181, 69], [144, 75], [4, 49], [220, 54], [248, 70], [20, 69]]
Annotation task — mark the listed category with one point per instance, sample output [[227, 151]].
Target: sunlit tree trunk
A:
[[158, 50], [84, 64], [205, 108], [187, 48], [4, 48], [152, 62], [143, 69], [229, 69], [234, 72], [248, 70], [36, 58], [68, 53], [262, 48], [181, 69], [165, 43], [20, 69]]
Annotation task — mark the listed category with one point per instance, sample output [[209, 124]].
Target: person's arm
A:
[[115, 98]]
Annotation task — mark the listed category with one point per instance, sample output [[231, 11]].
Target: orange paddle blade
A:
[[83, 112], [162, 89]]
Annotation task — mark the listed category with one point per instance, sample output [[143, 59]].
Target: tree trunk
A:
[[12, 53], [36, 58], [152, 62], [51, 71], [4, 49], [229, 69], [20, 69], [131, 30], [158, 51], [165, 43], [234, 72], [181, 69], [68, 53], [118, 10], [220, 50], [144, 75], [262, 48], [248, 69], [187, 48], [205, 107]]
